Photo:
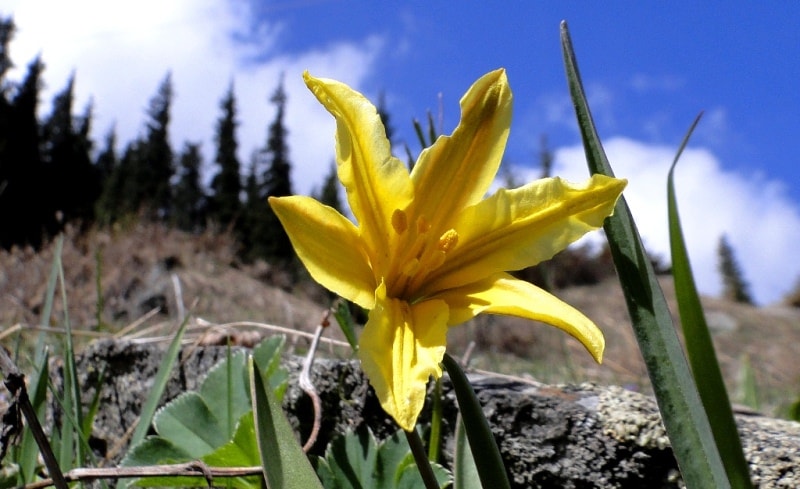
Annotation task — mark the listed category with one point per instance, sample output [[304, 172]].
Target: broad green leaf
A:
[[490, 466], [357, 460], [241, 451], [268, 356], [191, 425], [465, 472], [699, 345], [226, 390], [679, 402], [285, 464], [159, 384]]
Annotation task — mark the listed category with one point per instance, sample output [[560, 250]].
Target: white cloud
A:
[[120, 52], [761, 222]]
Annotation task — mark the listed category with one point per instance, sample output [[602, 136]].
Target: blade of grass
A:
[[679, 402], [489, 465], [699, 346], [159, 384], [49, 297], [285, 465], [71, 425]]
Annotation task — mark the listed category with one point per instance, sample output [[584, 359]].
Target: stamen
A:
[[448, 240], [399, 221]]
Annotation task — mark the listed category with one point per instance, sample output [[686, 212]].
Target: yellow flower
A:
[[429, 251]]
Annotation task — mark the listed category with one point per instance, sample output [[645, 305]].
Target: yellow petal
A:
[[328, 245], [376, 182], [400, 349], [456, 171], [514, 229], [503, 294]]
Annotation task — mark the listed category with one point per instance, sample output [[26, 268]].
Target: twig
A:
[[195, 468], [273, 327], [15, 382], [308, 387]]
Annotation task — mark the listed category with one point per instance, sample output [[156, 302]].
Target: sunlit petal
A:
[[514, 229], [401, 347], [328, 245], [503, 294], [376, 182], [456, 171]]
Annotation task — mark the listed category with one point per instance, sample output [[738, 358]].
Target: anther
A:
[[399, 221], [448, 240]]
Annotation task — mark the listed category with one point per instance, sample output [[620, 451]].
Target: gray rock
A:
[[583, 436]]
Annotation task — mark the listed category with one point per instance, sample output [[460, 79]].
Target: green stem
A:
[[436, 422], [424, 467]]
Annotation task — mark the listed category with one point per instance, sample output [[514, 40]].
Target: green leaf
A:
[[679, 402], [699, 345], [357, 460], [285, 464], [491, 471], [190, 423], [346, 323], [159, 384], [268, 356], [465, 472]]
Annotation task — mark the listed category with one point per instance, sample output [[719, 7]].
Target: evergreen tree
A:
[[120, 195], [23, 212], [154, 174], [106, 160], [329, 195], [190, 200], [276, 183], [226, 186], [734, 286], [383, 113], [107, 165], [7, 29], [74, 181], [254, 232]]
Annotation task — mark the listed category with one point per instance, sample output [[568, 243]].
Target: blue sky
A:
[[649, 68]]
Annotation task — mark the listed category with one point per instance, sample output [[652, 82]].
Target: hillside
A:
[[135, 265]]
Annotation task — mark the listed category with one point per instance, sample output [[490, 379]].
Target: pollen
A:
[[399, 221], [448, 240]]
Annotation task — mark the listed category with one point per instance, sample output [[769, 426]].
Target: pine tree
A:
[[329, 195], [276, 182], [190, 200], [23, 212], [383, 113], [226, 205], [74, 181], [154, 174], [734, 286], [107, 165]]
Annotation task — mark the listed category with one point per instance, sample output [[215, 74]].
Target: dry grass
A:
[[136, 265]]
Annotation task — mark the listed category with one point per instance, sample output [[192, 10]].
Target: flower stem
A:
[[423, 465]]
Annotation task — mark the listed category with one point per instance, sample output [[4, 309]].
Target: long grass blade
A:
[[679, 402], [699, 345], [489, 465], [284, 462]]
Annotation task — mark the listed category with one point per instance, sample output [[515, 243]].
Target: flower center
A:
[[419, 252]]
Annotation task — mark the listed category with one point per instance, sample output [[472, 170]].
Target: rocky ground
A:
[[121, 282]]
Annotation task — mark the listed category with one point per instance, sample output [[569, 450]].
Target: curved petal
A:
[[503, 294], [514, 229], [457, 170], [376, 182], [400, 349], [328, 244]]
